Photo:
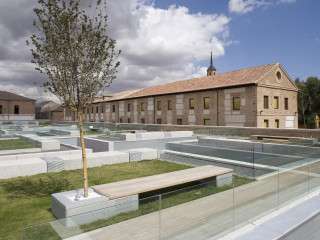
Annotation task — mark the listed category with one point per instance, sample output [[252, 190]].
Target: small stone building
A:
[[14, 107], [263, 96]]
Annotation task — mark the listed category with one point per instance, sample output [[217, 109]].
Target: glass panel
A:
[[199, 212], [105, 220], [169, 104], [159, 105]]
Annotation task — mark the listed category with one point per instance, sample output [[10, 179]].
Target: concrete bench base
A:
[[96, 207]]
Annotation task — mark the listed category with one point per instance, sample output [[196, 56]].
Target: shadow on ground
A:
[[36, 187]]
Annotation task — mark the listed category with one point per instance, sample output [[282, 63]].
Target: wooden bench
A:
[[160, 181]]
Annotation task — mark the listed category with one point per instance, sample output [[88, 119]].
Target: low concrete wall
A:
[[97, 145], [95, 160], [42, 154], [214, 130], [17, 168], [46, 144], [26, 150]]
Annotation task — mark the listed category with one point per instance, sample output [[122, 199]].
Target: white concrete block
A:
[[179, 112], [150, 135], [178, 134], [142, 154], [128, 137], [25, 167], [85, 210]]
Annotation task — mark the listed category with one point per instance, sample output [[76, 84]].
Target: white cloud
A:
[[164, 45], [245, 6], [286, 1], [158, 45]]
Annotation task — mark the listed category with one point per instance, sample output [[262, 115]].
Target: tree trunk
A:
[[84, 157]]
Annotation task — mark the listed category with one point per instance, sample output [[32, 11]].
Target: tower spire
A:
[[211, 69]]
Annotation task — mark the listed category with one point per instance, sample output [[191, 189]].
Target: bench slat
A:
[[150, 183]]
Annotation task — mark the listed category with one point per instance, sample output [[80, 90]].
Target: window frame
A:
[[233, 104], [16, 109], [179, 121], [142, 106], [206, 105], [266, 123], [129, 120], [170, 105], [143, 121], [277, 123], [286, 103], [205, 120], [264, 102], [113, 108], [191, 103], [158, 105], [159, 121], [276, 102], [128, 107]]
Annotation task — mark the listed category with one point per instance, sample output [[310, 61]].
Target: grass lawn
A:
[[11, 144], [26, 201]]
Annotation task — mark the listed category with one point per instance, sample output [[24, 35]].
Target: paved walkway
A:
[[214, 215]]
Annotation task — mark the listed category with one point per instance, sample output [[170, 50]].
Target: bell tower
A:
[[211, 69]]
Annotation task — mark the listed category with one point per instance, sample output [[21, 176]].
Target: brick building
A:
[[263, 96], [14, 107]]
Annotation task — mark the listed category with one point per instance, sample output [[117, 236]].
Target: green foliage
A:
[[308, 100], [74, 50]]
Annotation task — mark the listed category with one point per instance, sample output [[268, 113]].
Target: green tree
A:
[[74, 50], [308, 100]]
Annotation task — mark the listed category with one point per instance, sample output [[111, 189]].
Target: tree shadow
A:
[[36, 187]]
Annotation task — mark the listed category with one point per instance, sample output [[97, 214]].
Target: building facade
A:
[[14, 107], [263, 96]]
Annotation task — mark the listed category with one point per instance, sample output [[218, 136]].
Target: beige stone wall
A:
[[25, 107], [287, 118]]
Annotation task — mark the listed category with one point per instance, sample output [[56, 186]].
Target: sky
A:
[[164, 41]]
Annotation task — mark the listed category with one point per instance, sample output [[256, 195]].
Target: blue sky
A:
[[285, 32], [165, 40]]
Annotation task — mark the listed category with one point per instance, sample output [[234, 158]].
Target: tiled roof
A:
[[242, 77], [4, 95]]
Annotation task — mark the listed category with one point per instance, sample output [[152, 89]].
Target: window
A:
[[83, 111], [129, 120], [276, 103], [142, 120], [236, 103], [97, 109], [266, 123], [206, 103], [120, 120], [102, 109], [191, 103], [286, 103], [159, 121], [92, 110], [113, 108], [88, 111], [129, 107], [142, 106], [179, 121], [169, 104], [265, 102], [0, 109], [159, 105], [276, 123], [206, 122], [16, 109]]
